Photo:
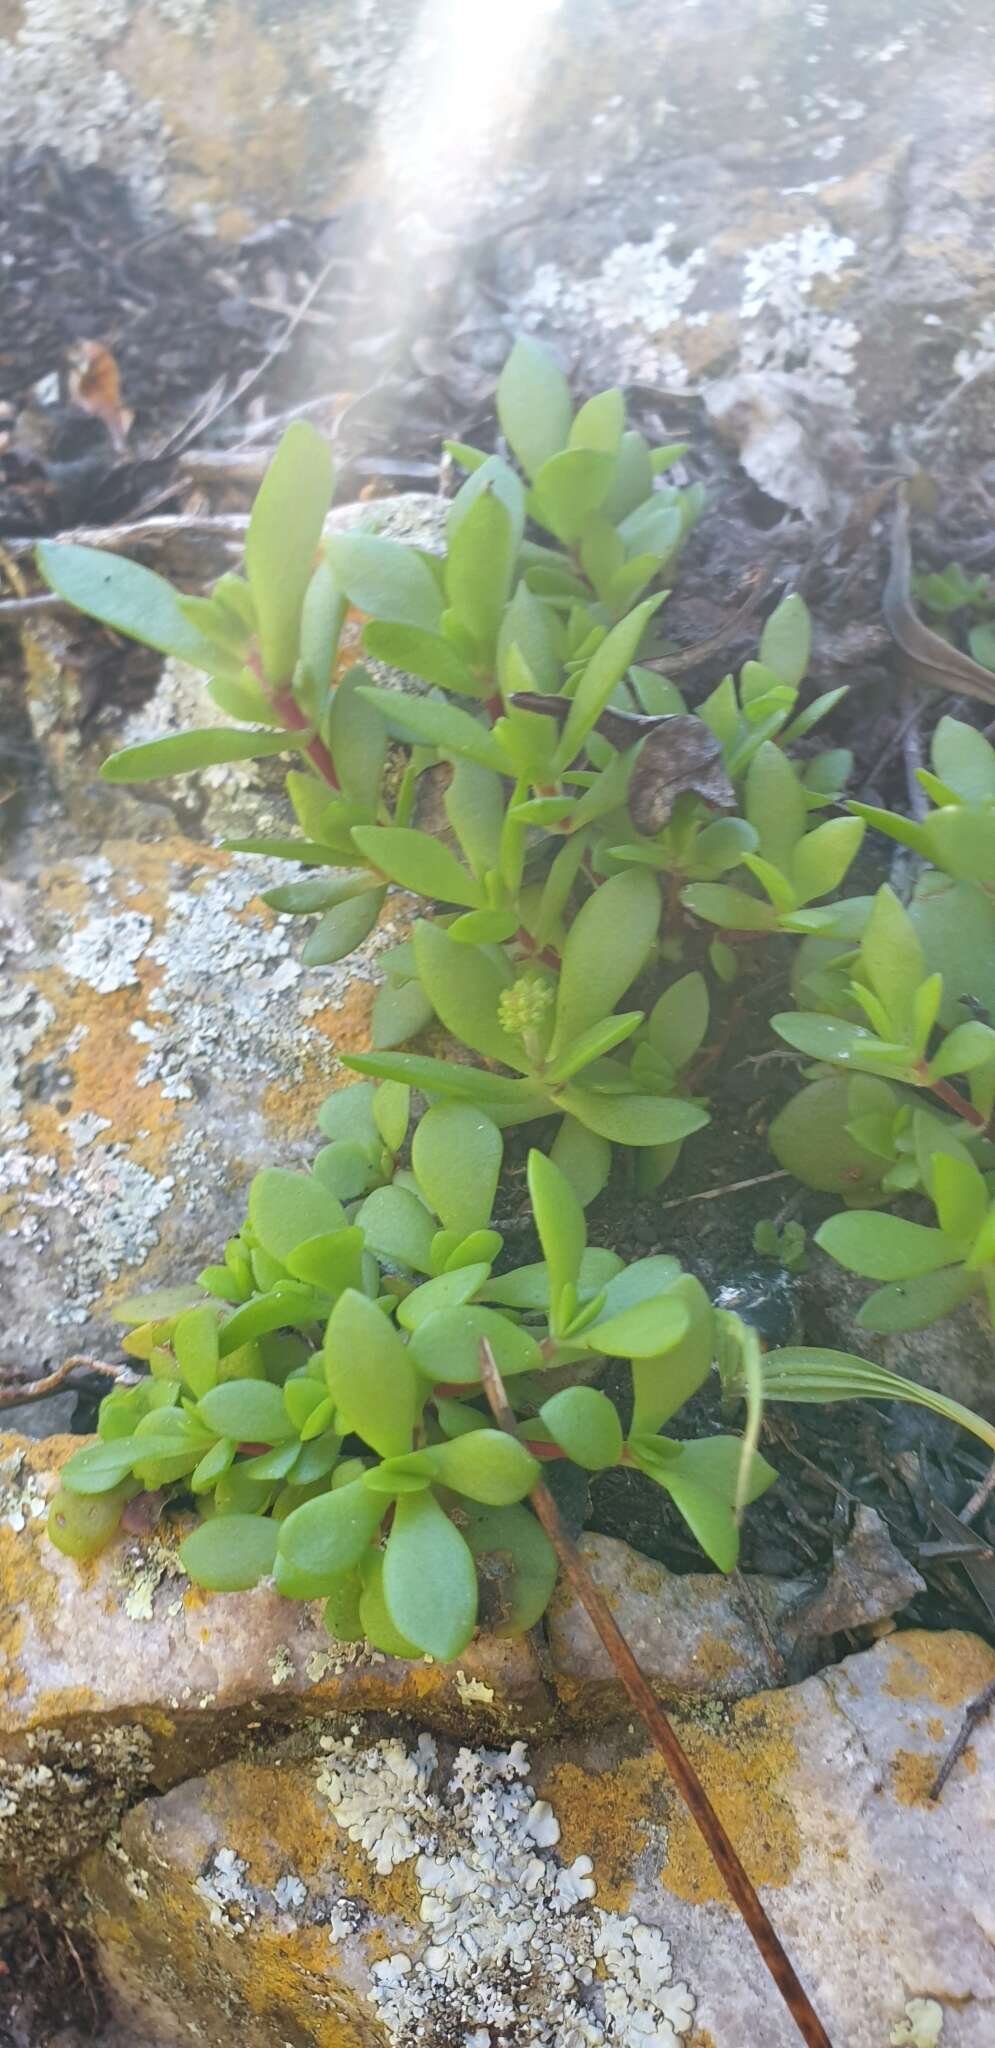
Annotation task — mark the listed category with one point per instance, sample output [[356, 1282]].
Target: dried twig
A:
[[732, 1187], [286, 334], [973, 1714], [11, 1395], [981, 1494], [141, 532], [740, 1886]]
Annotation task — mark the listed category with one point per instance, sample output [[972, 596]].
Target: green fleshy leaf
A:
[[370, 1375], [486, 1465], [585, 1424], [607, 946], [418, 862], [882, 1247], [466, 993], [430, 722], [343, 928], [456, 1154], [420, 653], [398, 1227], [562, 1233], [633, 1119], [645, 1330], [250, 1411], [446, 1345], [921, 1299], [385, 579], [230, 1552], [786, 641], [286, 1208], [519, 1567], [328, 1535], [99, 1467], [429, 1578]]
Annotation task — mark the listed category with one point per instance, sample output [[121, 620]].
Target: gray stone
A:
[[343, 1895], [697, 1635], [955, 1355], [120, 1674]]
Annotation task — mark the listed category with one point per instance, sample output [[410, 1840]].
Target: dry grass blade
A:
[[739, 1885]]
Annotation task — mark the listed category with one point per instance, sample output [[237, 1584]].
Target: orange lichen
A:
[[744, 1774], [946, 1668], [609, 1816], [913, 1774]]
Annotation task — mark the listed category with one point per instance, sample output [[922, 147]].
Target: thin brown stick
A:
[[973, 1713], [12, 1395], [732, 1187], [727, 1862]]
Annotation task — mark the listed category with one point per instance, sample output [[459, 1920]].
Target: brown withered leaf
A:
[[679, 754], [94, 384]]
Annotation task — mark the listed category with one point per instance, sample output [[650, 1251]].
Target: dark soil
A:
[[50, 1992]]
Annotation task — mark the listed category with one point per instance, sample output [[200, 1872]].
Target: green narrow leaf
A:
[[562, 1232], [677, 1023], [282, 542], [126, 597], [786, 641], [808, 1373], [418, 862], [534, 405], [607, 946], [183, 752], [357, 738]]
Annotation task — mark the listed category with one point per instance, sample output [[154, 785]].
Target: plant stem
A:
[[727, 1861], [287, 708], [959, 1104]]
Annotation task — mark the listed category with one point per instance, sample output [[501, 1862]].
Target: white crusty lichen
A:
[[23, 1495], [514, 1954], [635, 298], [231, 1901], [979, 359], [784, 328]]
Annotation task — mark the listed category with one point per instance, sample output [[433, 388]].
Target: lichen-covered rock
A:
[[379, 1892], [698, 1634], [798, 211], [160, 1042], [117, 1674]]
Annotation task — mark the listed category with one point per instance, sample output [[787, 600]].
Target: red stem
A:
[[959, 1104], [287, 708]]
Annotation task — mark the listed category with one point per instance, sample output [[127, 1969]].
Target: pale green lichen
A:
[[921, 2027]]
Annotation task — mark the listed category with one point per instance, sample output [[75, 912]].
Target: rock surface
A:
[[341, 1895], [123, 1674], [118, 1673], [698, 1635], [159, 1040], [785, 207]]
